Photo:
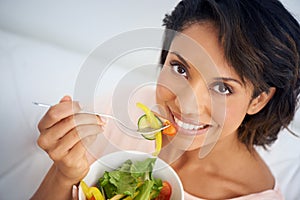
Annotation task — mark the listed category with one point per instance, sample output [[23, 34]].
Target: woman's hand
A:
[[64, 134], [63, 131]]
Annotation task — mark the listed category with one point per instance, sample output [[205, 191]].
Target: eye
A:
[[222, 88], [178, 68]]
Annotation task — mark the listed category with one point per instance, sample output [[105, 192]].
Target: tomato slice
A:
[[166, 192]]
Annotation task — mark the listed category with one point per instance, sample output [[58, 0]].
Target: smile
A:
[[191, 127]]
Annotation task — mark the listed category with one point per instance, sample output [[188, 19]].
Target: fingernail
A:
[[74, 192]]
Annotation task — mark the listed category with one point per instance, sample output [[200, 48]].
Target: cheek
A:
[[169, 85], [163, 94], [163, 88], [234, 117]]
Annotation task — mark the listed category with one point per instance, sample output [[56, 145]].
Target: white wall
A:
[[80, 25]]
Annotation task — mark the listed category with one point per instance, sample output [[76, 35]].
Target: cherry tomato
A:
[[165, 193]]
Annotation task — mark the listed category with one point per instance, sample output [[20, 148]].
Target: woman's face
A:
[[200, 93]]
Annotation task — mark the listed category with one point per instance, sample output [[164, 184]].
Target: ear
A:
[[260, 101]]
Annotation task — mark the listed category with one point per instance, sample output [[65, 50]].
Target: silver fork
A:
[[145, 131]]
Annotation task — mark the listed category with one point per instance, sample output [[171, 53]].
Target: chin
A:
[[186, 143]]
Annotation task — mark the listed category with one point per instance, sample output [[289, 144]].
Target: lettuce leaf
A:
[[131, 177], [143, 169], [145, 190]]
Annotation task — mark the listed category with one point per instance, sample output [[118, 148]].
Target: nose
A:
[[194, 99]]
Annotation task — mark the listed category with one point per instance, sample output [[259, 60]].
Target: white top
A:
[[274, 194]]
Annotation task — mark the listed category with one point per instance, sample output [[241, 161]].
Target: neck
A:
[[226, 148]]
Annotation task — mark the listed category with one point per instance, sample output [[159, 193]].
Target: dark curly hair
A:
[[261, 41]]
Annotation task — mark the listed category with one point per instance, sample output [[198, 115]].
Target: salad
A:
[[131, 181], [134, 180]]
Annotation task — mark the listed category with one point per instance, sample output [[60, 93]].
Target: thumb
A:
[[65, 98]]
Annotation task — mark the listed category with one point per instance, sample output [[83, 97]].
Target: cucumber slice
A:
[[143, 123]]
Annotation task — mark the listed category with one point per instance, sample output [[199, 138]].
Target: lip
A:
[[189, 121]]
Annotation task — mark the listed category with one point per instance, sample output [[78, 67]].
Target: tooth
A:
[[191, 126], [180, 123], [185, 126], [188, 126]]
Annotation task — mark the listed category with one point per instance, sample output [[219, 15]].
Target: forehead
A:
[[198, 44]]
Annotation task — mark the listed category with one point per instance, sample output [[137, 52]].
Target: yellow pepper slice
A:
[[85, 189], [158, 143], [91, 192]]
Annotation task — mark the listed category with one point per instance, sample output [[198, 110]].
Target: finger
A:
[[74, 192], [76, 158], [49, 139], [58, 112], [58, 130], [88, 130], [89, 140], [74, 164], [65, 98], [78, 152], [65, 144]]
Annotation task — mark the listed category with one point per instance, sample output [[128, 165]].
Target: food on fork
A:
[[150, 120]]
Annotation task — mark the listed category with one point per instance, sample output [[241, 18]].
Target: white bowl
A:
[[112, 161]]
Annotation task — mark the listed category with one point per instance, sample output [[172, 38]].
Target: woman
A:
[[248, 97]]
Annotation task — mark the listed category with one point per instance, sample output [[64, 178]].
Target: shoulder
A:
[[255, 175]]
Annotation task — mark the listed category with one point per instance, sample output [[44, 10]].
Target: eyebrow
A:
[[180, 58], [226, 79]]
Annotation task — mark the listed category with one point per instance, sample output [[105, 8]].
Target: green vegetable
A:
[[143, 169], [152, 119], [143, 124], [132, 179], [145, 190]]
